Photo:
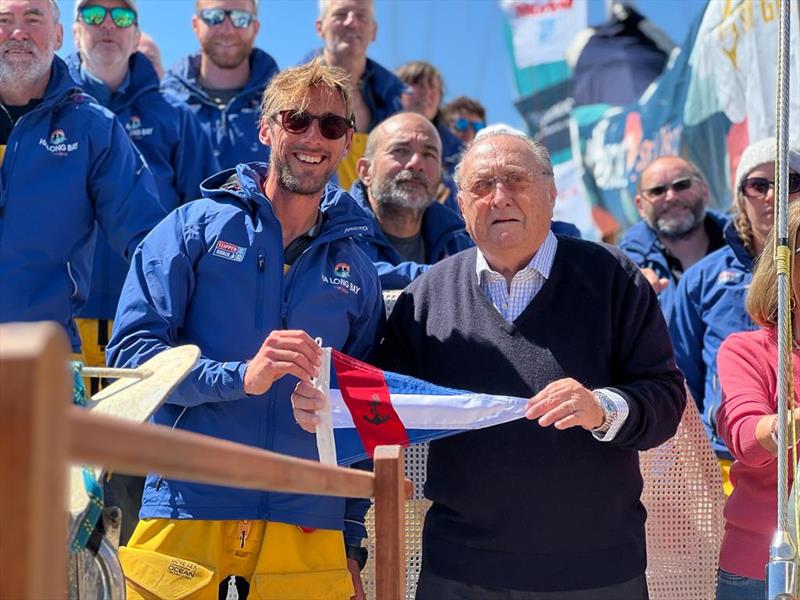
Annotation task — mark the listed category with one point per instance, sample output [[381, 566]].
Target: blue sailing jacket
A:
[[212, 274], [643, 247], [172, 141], [234, 128], [68, 164], [709, 306]]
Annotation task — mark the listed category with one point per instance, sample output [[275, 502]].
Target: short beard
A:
[[393, 195], [224, 61], [678, 230], [20, 76], [289, 182]]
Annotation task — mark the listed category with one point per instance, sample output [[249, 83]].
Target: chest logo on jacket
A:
[[229, 251], [57, 143], [729, 278], [135, 129], [341, 279]]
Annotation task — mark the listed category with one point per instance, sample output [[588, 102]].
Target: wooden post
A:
[[34, 395], [390, 496]]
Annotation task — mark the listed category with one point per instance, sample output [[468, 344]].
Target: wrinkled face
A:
[[406, 167], [423, 97], [673, 212], [225, 45], [506, 198], [304, 162], [28, 40], [467, 122], [348, 27], [105, 44]]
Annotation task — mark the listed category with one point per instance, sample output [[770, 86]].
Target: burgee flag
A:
[[371, 407]]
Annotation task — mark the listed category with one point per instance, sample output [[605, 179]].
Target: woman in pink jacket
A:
[[747, 421]]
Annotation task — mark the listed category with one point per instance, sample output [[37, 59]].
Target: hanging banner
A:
[[715, 96]]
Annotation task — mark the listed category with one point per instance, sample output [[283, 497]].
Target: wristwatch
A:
[[358, 554], [609, 412]]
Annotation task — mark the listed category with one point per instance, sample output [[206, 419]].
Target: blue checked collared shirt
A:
[[525, 284]]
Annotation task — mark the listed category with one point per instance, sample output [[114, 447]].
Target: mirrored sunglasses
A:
[[658, 191], [215, 16], [331, 126], [756, 188], [91, 14], [464, 124]]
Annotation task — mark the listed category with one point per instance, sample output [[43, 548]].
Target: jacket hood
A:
[[243, 185], [61, 84], [142, 80], [181, 79]]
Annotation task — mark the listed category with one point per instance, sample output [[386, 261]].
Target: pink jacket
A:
[[747, 365]]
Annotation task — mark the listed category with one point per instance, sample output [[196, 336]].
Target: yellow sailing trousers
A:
[[194, 560]]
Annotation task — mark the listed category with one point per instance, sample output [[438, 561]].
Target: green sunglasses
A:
[[92, 14]]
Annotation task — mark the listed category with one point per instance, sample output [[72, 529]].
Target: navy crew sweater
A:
[[518, 506]]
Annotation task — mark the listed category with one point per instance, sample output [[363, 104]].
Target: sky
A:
[[463, 38]]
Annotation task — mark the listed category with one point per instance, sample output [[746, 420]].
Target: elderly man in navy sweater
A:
[[547, 507]]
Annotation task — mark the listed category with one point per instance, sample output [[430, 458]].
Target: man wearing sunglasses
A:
[[68, 166], [709, 302], [172, 141], [223, 83], [676, 230], [267, 261], [466, 117]]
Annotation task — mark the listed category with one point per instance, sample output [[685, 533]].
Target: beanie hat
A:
[[759, 153]]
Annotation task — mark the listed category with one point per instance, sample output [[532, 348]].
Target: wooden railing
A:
[[41, 434]]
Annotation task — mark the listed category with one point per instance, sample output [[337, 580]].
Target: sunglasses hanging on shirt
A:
[[215, 16]]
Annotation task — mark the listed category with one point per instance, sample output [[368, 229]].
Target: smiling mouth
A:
[[308, 159]]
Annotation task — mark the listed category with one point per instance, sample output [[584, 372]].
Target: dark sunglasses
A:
[[756, 188], [464, 124], [215, 16], [331, 126], [657, 191], [92, 14]]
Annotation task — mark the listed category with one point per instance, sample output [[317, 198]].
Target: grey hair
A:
[[540, 153], [56, 12], [323, 8]]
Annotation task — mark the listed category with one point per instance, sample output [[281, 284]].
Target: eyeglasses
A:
[[92, 14], [658, 191], [331, 126], [463, 124], [512, 182], [215, 16], [756, 188]]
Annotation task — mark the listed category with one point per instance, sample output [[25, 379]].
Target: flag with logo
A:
[[371, 407]]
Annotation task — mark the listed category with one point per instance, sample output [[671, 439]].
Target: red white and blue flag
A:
[[371, 407]]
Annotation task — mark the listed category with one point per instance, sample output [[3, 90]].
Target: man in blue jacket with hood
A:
[[170, 138], [398, 178], [67, 164], [223, 83], [347, 28], [676, 230], [251, 273]]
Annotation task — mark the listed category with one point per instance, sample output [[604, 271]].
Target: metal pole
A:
[[782, 567]]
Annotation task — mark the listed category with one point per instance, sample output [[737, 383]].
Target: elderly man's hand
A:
[[283, 352], [306, 401], [658, 283], [565, 403]]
